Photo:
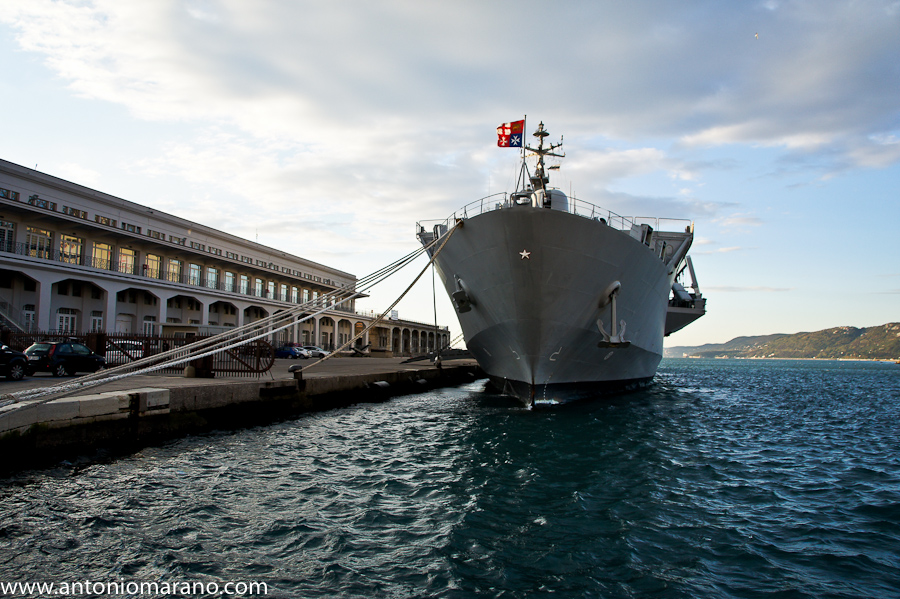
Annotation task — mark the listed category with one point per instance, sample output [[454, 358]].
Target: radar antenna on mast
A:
[[540, 179]]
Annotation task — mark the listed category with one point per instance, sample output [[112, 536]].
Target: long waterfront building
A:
[[73, 259]]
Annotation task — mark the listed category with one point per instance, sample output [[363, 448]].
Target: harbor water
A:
[[726, 478]]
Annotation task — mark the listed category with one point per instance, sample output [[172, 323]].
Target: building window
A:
[[102, 256], [229, 281], [178, 240], [270, 290], [104, 220], [152, 264], [29, 314], [34, 200], [173, 270], [74, 212], [156, 235], [245, 284], [294, 295], [7, 236], [212, 277], [198, 246], [305, 296], [9, 195], [96, 321], [65, 320], [195, 273], [149, 325], [70, 249], [131, 228], [39, 241], [127, 260], [258, 288]]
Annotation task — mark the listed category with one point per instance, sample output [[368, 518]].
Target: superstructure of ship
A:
[[559, 299]]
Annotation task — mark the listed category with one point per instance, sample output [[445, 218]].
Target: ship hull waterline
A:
[[537, 279]]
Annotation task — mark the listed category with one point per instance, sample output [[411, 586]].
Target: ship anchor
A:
[[617, 337], [461, 296]]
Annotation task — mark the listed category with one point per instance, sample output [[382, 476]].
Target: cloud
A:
[[726, 289], [665, 69], [383, 110], [76, 172], [737, 220], [724, 250]]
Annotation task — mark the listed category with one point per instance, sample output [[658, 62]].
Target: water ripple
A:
[[724, 479]]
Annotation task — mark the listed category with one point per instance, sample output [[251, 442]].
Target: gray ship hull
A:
[[536, 280]]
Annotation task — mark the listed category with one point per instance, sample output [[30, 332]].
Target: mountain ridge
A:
[[845, 342]]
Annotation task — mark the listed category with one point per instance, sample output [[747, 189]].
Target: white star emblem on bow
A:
[[526, 255]]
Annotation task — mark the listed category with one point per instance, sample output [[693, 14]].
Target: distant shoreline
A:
[[893, 360], [881, 344]]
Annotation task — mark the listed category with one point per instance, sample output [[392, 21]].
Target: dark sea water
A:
[[725, 479]]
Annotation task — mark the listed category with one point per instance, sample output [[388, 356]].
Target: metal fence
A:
[[250, 359]]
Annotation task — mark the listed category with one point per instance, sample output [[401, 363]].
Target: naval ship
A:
[[559, 299]]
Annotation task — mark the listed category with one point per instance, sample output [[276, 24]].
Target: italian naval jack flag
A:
[[509, 135]]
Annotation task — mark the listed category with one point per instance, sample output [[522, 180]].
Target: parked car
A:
[[61, 358], [13, 363], [315, 352], [121, 352], [291, 352]]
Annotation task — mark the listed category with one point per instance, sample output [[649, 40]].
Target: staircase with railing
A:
[[10, 317]]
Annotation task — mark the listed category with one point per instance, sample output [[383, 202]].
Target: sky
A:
[[328, 129]]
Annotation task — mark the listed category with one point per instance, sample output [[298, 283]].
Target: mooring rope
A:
[[227, 340], [446, 238]]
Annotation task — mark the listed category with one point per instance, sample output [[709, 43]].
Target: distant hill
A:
[[873, 343]]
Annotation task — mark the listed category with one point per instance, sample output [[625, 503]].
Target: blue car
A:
[[291, 352]]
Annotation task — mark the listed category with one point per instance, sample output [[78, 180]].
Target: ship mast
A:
[[540, 179]]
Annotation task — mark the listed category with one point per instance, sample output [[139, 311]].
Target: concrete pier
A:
[[127, 414]]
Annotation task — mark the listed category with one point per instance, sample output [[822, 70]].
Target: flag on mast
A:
[[509, 135]]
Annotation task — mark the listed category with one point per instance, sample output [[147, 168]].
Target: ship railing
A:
[[578, 207], [674, 225]]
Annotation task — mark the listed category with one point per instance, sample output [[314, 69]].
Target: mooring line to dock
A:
[[229, 339], [446, 238]]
